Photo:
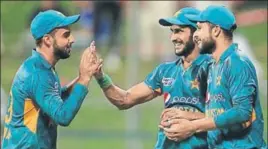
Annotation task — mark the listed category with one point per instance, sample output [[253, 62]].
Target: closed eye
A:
[[177, 30]]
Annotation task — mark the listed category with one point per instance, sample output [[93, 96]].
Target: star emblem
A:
[[195, 84], [218, 80]]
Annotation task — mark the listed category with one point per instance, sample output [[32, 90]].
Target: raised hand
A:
[[89, 64]]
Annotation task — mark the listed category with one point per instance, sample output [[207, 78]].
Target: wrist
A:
[[195, 126], [83, 80], [105, 81], [99, 76]]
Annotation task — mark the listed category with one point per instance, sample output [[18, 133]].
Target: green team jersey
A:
[[36, 105], [233, 102], [184, 89]]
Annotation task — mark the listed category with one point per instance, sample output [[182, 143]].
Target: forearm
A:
[[118, 97], [67, 89], [125, 99], [233, 116], [65, 112], [204, 124], [114, 94]]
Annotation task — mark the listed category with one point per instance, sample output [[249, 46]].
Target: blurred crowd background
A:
[[132, 43]]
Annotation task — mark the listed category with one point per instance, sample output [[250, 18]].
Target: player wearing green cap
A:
[[234, 118], [37, 103]]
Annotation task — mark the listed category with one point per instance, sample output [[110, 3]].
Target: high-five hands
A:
[[89, 64]]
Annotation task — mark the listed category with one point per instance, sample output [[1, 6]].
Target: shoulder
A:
[[167, 66], [237, 63], [31, 68], [236, 59]]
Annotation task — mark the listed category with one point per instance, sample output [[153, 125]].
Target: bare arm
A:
[[67, 89], [125, 99]]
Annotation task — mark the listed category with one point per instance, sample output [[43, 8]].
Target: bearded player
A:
[[37, 103], [182, 82], [234, 116]]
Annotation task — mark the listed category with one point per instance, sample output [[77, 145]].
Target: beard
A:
[[61, 52], [189, 47], [208, 46]]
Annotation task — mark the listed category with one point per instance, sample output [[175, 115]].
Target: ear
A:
[[48, 40], [216, 31]]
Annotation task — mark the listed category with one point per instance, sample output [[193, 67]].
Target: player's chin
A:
[[199, 44], [179, 51], [68, 50]]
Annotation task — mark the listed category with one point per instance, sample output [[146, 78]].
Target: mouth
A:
[[69, 49], [198, 42], [178, 45]]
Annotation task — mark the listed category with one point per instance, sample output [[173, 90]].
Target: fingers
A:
[[170, 112], [92, 46], [165, 111], [170, 121], [172, 135], [168, 130], [100, 65], [165, 123], [175, 121], [91, 53]]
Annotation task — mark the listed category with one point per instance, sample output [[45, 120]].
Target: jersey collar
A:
[[198, 61], [229, 51], [42, 59]]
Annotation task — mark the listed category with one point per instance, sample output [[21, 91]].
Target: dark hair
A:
[[38, 42], [227, 33]]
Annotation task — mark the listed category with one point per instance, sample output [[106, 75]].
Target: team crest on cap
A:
[[177, 13]]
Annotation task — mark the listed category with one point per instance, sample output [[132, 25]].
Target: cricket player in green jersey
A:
[[37, 103], [234, 118], [182, 82]]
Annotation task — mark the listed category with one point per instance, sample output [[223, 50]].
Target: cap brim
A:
[[70, 20], [170, 22], [194, 18]]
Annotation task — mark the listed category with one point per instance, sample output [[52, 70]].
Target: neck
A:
[[49, 56], [187, 60], [221, 46]]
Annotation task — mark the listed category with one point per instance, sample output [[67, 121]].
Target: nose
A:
[[71, 38]]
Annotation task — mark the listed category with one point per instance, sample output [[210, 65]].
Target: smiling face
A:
[[182, 38], [203, 38]]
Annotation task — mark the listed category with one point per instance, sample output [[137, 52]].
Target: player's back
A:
[[25, 125]]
